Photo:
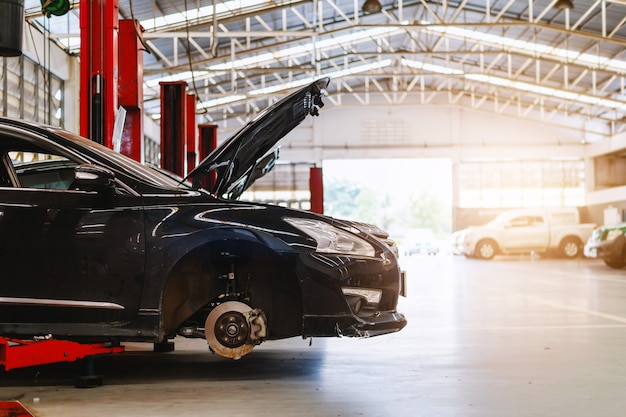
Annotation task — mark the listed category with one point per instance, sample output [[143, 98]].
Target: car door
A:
[[527, 232], [66, 255]]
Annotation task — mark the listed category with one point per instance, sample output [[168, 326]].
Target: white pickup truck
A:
[[525, 231]]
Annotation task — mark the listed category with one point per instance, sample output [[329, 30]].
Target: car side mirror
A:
[[89, 177]]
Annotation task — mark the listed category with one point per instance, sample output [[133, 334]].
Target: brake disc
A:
[[233, 328]]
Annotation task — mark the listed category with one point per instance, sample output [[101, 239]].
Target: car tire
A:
[[486, 249], [617, 263], [614, 264], [570, 248]]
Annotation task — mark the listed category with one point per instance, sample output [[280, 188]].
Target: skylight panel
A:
[[530, 48], [194, 14]]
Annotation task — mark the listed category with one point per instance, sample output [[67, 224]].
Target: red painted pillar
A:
[[316, 187], [99, 21], [131, 87], [206, 144], [173, 126], [192, 131]]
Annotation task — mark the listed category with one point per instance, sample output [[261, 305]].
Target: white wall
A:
[[422, 132]]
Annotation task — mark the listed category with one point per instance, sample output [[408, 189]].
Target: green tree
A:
[[375, 208], [428, 211], [340, 199]]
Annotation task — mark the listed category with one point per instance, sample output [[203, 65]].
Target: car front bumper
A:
[[350, 325], [603, 250], [336, 300]]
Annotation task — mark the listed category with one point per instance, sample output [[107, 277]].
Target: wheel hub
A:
[[231, 329]]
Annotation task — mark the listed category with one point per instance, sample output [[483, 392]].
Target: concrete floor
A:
[[511, 337]]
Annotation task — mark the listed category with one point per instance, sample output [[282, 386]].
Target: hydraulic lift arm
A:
[[23, 353]]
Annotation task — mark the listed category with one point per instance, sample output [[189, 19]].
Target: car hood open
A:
[[234, 165]]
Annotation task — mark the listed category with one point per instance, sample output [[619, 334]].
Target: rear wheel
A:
[[486, 249], [570, 248], [615, 264]]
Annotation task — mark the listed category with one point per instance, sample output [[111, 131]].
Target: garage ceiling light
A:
[[306, 49], [289, 53], [192, 14], [520, 85], [530, 48], [548, 91], [431, 68], [295, 84]]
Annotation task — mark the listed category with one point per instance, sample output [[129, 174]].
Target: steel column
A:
[[173, 126], [316, 187], [99, 25], [131, 87]]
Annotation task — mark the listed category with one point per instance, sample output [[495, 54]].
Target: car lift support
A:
[[99, 70], [16, 353], [108, 83]]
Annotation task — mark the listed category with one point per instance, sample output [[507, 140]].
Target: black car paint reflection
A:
[[124, 253]]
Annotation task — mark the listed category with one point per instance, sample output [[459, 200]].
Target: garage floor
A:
[[511, 337]]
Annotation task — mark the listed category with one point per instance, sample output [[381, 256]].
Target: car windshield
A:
[[124, 163]]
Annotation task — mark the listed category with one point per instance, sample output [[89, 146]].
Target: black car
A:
[[97, 247], [608, 243]]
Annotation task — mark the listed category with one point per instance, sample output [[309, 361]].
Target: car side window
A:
[[519, 221], [536, 220], [44, 171], [26, 165]]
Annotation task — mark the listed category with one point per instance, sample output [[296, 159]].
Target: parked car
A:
[[421, 241], [522, 231], [97, 247], [609, 244]]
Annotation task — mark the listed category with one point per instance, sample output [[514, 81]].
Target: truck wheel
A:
[[614, 264], [617, 263], [570, 248], [486, 249]]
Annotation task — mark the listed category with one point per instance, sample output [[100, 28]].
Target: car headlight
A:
[[613, 234], [332, 239]]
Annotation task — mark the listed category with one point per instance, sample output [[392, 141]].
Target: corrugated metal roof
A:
[[538, 59]]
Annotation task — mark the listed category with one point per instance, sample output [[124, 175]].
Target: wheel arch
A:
[[201, 276]]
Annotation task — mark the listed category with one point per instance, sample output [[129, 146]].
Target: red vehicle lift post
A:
[[192, 133], [207, 142], [131, 87], [316, 186], [99, 29], [173, 126]]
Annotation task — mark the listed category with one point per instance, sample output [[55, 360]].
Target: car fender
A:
[[253, 259]]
